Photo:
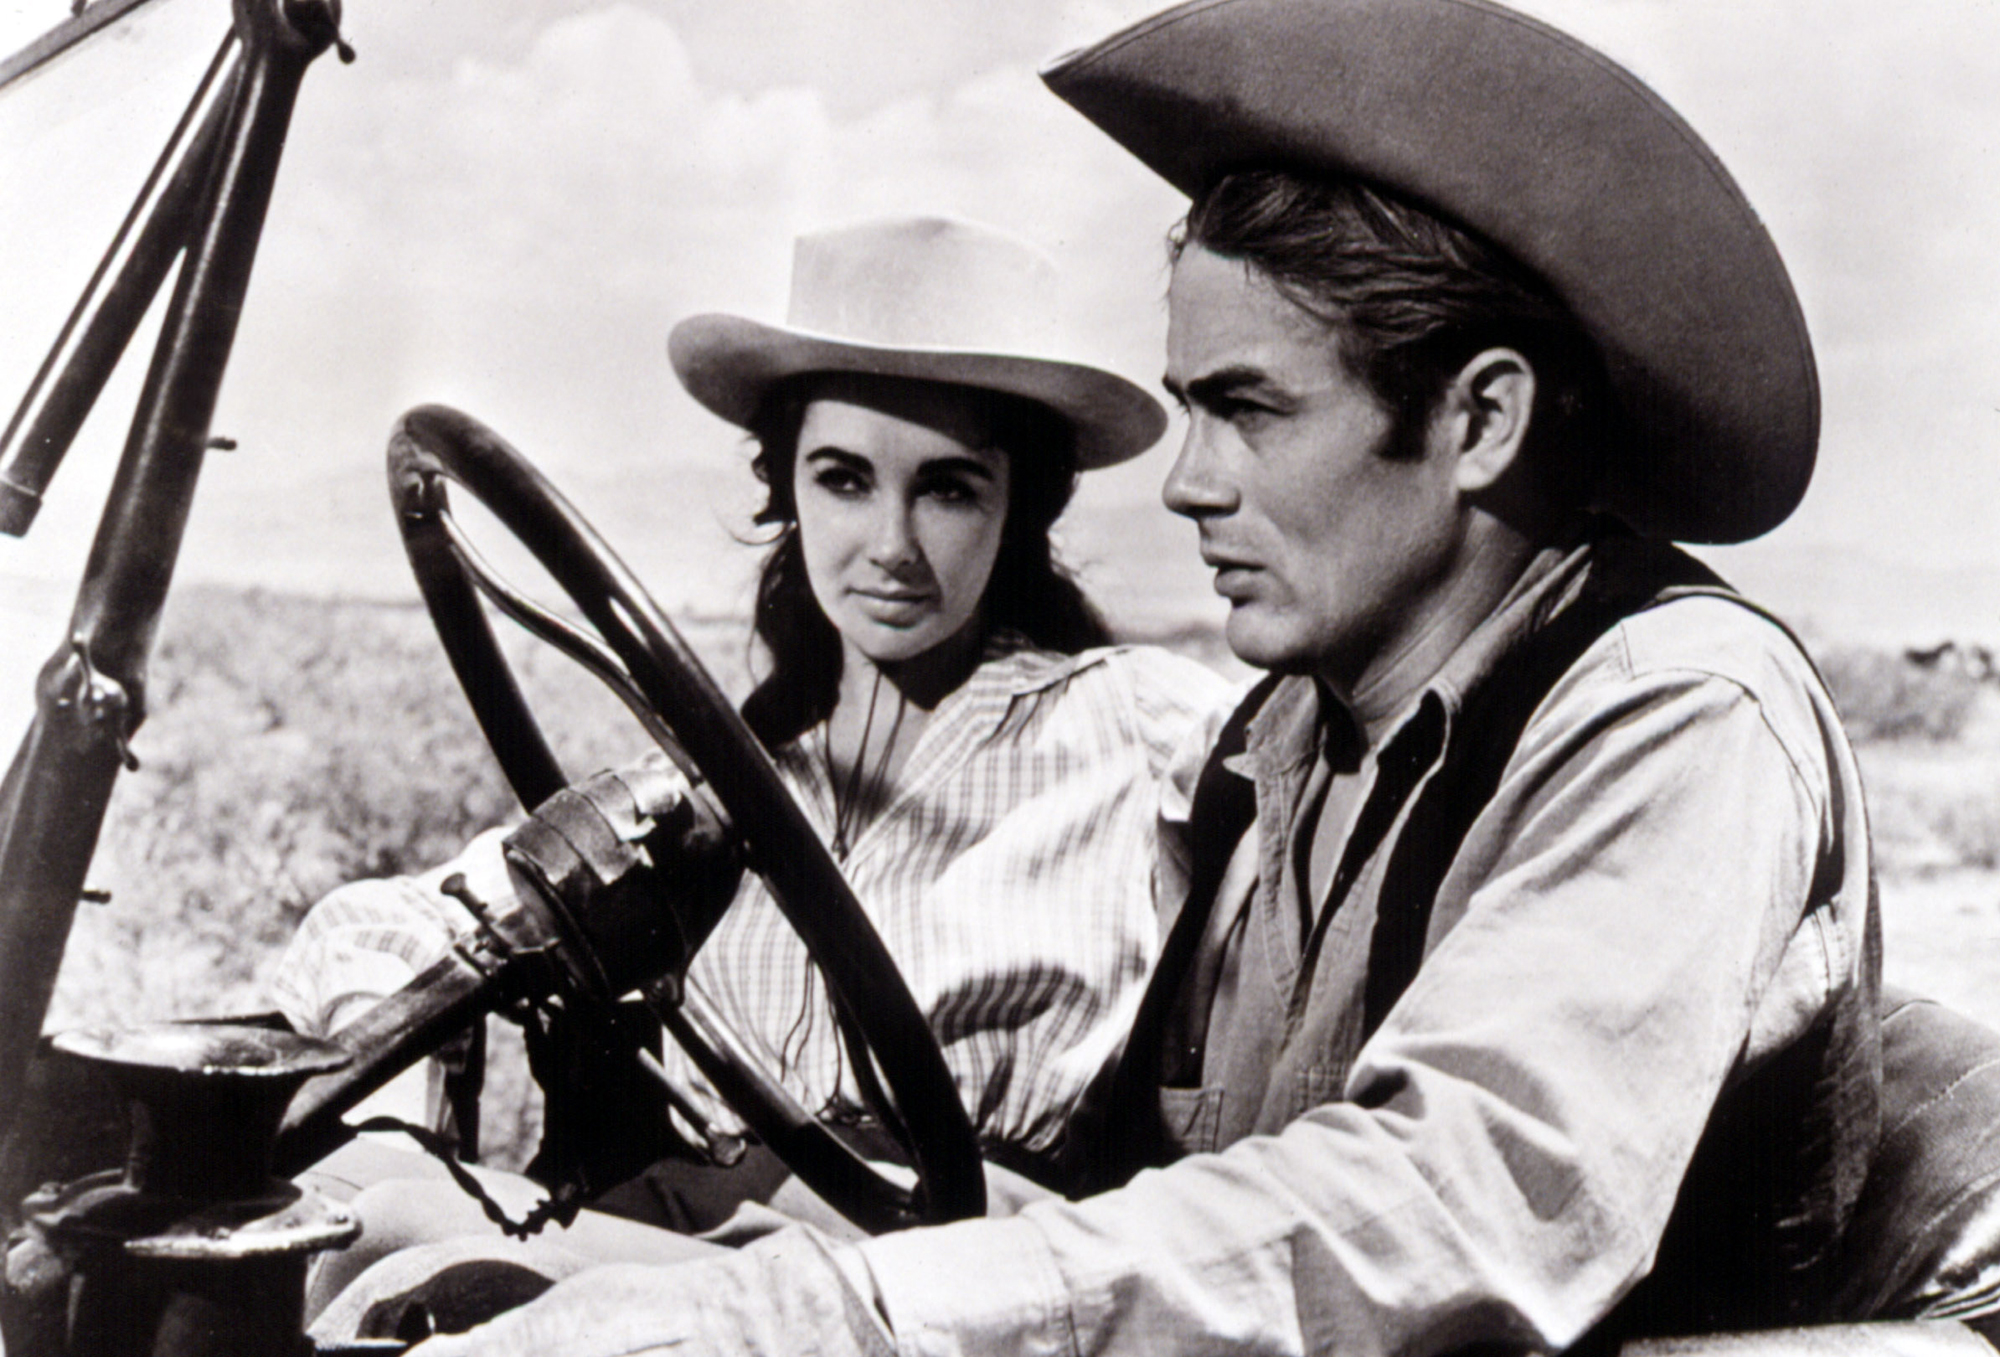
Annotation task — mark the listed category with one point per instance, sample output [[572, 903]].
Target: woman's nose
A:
[[892, 539]]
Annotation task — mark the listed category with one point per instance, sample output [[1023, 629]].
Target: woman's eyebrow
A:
[[833, 452], [958, 466]]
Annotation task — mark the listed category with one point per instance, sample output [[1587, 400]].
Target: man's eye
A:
[[1241, 412]]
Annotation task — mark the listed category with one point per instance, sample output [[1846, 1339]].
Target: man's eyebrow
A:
[[1222, 382]]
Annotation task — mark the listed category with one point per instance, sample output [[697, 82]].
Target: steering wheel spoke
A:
[[572, 641]]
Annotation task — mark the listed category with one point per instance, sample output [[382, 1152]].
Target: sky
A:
[[505, 204]]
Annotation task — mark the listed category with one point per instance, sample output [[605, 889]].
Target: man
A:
[[1520, 981]]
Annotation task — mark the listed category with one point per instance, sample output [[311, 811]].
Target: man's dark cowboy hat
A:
[[1549, 149]]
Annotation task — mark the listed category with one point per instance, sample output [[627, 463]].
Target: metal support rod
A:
[[64, 36], [168, 221], [91, 696]]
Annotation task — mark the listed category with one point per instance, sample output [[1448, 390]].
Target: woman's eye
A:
[[840, 481], [952, 492]]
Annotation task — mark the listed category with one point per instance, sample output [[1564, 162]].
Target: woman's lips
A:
[[892, 609]]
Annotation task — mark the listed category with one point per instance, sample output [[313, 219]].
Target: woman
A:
[[940, 697]]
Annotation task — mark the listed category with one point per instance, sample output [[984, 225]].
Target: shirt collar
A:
[[1596, 554], [1011, 666], [1014, 666]]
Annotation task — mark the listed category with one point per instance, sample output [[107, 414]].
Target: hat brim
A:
[[1548, 148], [728, 362]]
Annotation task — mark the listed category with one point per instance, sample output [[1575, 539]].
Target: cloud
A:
[[600, 164], [598, 178], [528, 223], [515, 234], [505, 205]]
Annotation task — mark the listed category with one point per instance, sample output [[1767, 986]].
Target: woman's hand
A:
[[656, 785], [637, 863]]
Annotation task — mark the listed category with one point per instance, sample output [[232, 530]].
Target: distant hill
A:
[[1847, 596], [1142, 566]]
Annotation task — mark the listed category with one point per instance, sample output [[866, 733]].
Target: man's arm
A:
[[1515, 1135], [1512, 1140]]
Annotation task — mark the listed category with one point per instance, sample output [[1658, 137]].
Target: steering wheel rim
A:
[[433, 445]]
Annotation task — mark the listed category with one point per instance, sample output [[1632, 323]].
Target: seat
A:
[[1925, 1238]]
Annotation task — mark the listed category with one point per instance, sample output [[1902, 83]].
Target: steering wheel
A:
[[643, 659]]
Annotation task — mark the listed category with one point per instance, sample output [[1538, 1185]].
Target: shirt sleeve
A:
[[1177, 776], [784, 1296], [368, 939], [1178, 704], [1511, 1142]]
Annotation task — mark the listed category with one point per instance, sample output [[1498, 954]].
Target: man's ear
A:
[[1486, 410]]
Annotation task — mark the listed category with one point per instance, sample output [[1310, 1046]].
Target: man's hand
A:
[[782, 1296]]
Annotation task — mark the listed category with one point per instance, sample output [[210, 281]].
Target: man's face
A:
[[1328, 550]]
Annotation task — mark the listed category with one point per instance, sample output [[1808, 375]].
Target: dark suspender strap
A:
[[1129, 1135], [1490, 726], [1223, 809]]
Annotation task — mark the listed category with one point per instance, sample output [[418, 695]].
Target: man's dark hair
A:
[[1412, 298], [1028, 592]]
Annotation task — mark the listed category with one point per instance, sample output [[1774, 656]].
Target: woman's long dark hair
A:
[[1029, 592]]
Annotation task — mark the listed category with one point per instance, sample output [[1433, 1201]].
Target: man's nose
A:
[[1197, 486]]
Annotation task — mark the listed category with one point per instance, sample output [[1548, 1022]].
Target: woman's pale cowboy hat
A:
[[921, 297], [1544, 146]]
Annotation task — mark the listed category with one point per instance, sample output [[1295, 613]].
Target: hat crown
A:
[[924, 283]]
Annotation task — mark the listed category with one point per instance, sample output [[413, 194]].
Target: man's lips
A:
[[1233, 576]]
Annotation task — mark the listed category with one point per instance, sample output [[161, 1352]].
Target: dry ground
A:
[[1936, 813]]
